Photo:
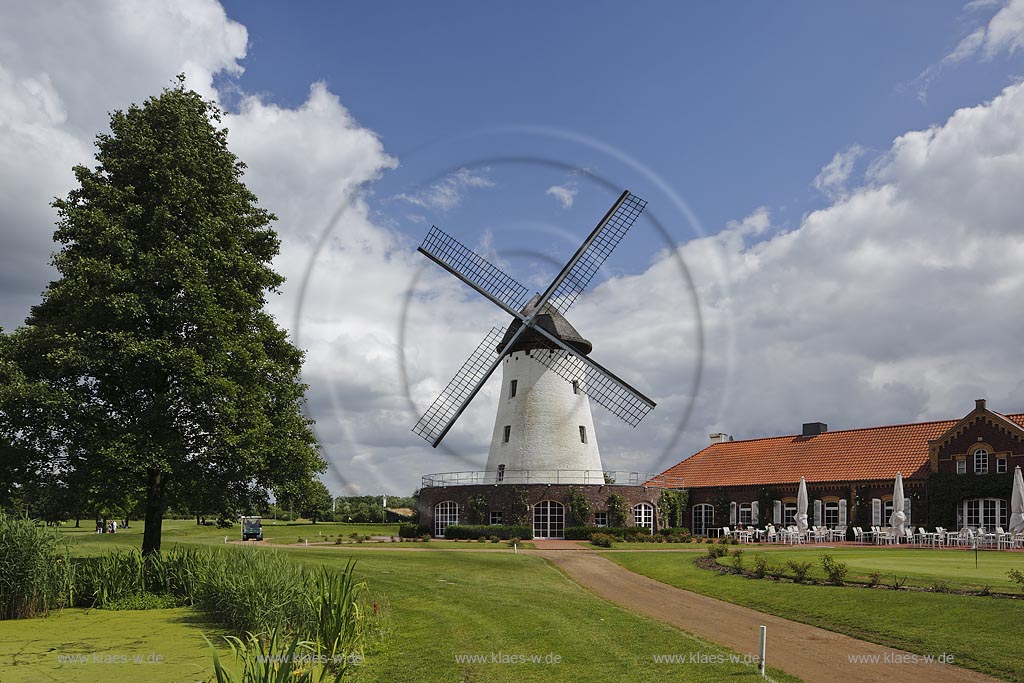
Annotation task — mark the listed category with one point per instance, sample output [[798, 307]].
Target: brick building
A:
[[955, 472]]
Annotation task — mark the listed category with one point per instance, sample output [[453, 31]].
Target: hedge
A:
[[410, 530], [583, 533], [473, 532]]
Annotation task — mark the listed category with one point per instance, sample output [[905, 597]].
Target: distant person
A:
[[113, 527], [99, 526]]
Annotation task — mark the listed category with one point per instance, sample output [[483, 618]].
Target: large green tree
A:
[[166, 375]]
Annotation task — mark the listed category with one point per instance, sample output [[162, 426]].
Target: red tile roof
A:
[[847, 455]]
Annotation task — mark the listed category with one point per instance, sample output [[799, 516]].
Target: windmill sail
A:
[[447, 407], [474, 269], [594, 251], [597, 382]]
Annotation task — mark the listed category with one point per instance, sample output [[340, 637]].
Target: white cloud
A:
[[447, 193], [831, 181], [892, 304], [1004, 33], [564, 193]]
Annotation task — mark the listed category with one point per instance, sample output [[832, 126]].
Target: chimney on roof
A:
[[979, 404], [814, 428], [719, 437]]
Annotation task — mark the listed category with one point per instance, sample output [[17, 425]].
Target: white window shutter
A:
[[755, 517], [876, 512], [817, 513], [842, 512], [777, 512], [732, 514], [906, 509]]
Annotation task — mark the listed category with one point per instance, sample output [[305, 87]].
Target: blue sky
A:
[[735, 105], [837, 184]]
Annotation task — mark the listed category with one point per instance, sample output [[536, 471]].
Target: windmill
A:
[[538, 332]]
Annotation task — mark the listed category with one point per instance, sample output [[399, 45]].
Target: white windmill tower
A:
[[543, 430]]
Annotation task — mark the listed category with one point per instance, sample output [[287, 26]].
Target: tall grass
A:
[[35, 569]]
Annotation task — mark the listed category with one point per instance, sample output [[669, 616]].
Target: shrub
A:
[[800, 570], [425, 538], [468, 532], [716, 551], [35, 569], [760, 567], [940, 587], [622, 533], [409, 530], [835, 572], [602, 540], [874, 578], [515, 540], [482, 539], [737, 558], [1017, 576]]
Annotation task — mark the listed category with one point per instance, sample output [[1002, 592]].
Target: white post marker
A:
[[760, 659], [515, 548]]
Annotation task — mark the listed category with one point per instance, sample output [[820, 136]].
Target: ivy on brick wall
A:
[[579, 506], [672, 507], [947, 492], [618, 510]]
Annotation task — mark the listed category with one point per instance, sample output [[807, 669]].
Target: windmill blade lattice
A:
[[598, 383], [454, 398], [460, 260], [595, 251]]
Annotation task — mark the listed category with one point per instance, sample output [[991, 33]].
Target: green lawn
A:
[[88, 542], [921, 567], [443, 605], [102, 645], [980, 631], [438, 605]]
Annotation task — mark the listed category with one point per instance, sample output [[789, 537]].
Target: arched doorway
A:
[[548, 520], [445, 513]]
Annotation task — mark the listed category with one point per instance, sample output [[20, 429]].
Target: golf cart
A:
[[251, 529]]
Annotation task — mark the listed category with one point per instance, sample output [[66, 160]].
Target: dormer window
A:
[[981, 461]]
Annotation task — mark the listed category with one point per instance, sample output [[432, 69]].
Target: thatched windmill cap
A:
[[553, 323]]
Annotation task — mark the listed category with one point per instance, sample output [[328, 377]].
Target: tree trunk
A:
[[76, 522], [156, 488]]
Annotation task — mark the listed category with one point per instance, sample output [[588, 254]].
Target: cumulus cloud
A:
[[447, 193], [564, 193], [889, 305], [831, 181]]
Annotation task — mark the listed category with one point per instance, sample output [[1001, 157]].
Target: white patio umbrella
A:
[[801, 506], [1017, 502], [898, 519]]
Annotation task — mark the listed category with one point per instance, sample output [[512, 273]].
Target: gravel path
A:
[[811, 653]]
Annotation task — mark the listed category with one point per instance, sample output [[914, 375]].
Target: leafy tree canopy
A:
[[150, 364]]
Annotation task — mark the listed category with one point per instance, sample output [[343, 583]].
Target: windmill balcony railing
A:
[[582, 477]]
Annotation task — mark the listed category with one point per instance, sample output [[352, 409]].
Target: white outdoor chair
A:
[[837, 535], [771, 535]]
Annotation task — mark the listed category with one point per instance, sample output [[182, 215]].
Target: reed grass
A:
[[35, 569]]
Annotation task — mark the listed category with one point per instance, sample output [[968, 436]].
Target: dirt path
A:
[[809, 652]]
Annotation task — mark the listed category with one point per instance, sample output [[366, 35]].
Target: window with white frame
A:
[[703, 518], [496, 517], [1000, 465], [789, 514], [501, 473], [643, 516], [746, 517], [600, 519], [446, 513], [981, 461], [886, 512], [832, 514], [984, 512], [961, 467]]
